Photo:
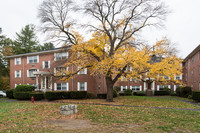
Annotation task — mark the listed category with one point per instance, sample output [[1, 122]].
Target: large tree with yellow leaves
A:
[[112, 51]]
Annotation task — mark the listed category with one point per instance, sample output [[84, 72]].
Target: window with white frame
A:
[[17, 61], [61, 70], [34, 85], [17, 74], [135, 88], [178, 77], [123, 88], [45, 64], [82, 70], [82, 86], [61, 56], [161, 87], [33, 59], [61, 86], [30, 73]]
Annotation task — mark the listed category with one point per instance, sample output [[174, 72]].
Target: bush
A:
[[114, 93], [196, 95], [173, 94], [36, 95], [22, 88], [121, 94], [9, 93], [102, 96], [66, 94], [22, 95], [78, 94], [178, 91], [54, 95], [128, 92], [90, 95], [139, 93], [185, 91], [117, 88], [161, 93]]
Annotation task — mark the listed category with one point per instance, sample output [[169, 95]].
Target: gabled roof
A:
[[39, 52], [196, 50]]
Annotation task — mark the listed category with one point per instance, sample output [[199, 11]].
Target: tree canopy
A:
[[113, 49]]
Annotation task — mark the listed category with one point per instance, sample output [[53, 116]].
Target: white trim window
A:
[[33, 59], [82, 86], [83, 71], [136, 88], [18, 74], [123, 88], [46, 64], [178, 77], [61, 86], [18, 61], [161, 87], [61, 56], [60, 71], [30, 73]]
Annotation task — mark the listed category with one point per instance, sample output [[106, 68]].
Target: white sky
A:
[[182, 25]]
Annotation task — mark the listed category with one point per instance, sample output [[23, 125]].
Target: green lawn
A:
[[28, 117]]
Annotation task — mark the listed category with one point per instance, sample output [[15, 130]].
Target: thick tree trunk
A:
[[109, 84]]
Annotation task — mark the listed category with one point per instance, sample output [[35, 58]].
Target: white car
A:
[[2, 94]]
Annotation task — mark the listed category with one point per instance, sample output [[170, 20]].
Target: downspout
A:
[[23, 70], [72, 79]]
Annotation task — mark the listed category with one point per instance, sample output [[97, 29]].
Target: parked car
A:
[[2, 94]]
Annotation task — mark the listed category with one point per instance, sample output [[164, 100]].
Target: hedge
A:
[[36, 95], [161, 93], [54, 95], [22, 95], [78, 94], [128, 92], [196, 95], [90, 95], [9, 93], [102, 96], [139, 93], [22, 88], [185, 91]]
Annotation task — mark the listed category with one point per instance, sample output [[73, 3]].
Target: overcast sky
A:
[[182, 25]]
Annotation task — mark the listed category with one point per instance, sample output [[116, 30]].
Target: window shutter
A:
[[67, 85], [20, 61], [131, 79], [78, 68], [20, 74], [169, 86], [27, 73], [85, 86], [181, 76], [54, 71], [85, 71], [131, 68], [158, 88], [43, 64], [121, 88], [131, 87], [54, 56], [67, 54], [126, 87], [67, 68], [38, 59], [140, 88], [49, 64], [55, 87], [78, 86], [174, 87], [27, 60]]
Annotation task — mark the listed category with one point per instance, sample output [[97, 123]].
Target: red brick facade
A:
[[47, 80], [191, 69]]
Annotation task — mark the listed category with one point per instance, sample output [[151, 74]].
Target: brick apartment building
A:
[[191, 69], [39, 69]]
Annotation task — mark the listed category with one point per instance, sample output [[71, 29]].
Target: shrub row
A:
[[22, 88], [9, 93], [184, 91], [28, 95], [161, 93], [196, 95], [55, 95], [139, 93]]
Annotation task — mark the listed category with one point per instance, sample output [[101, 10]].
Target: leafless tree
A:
[[118, 19]]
